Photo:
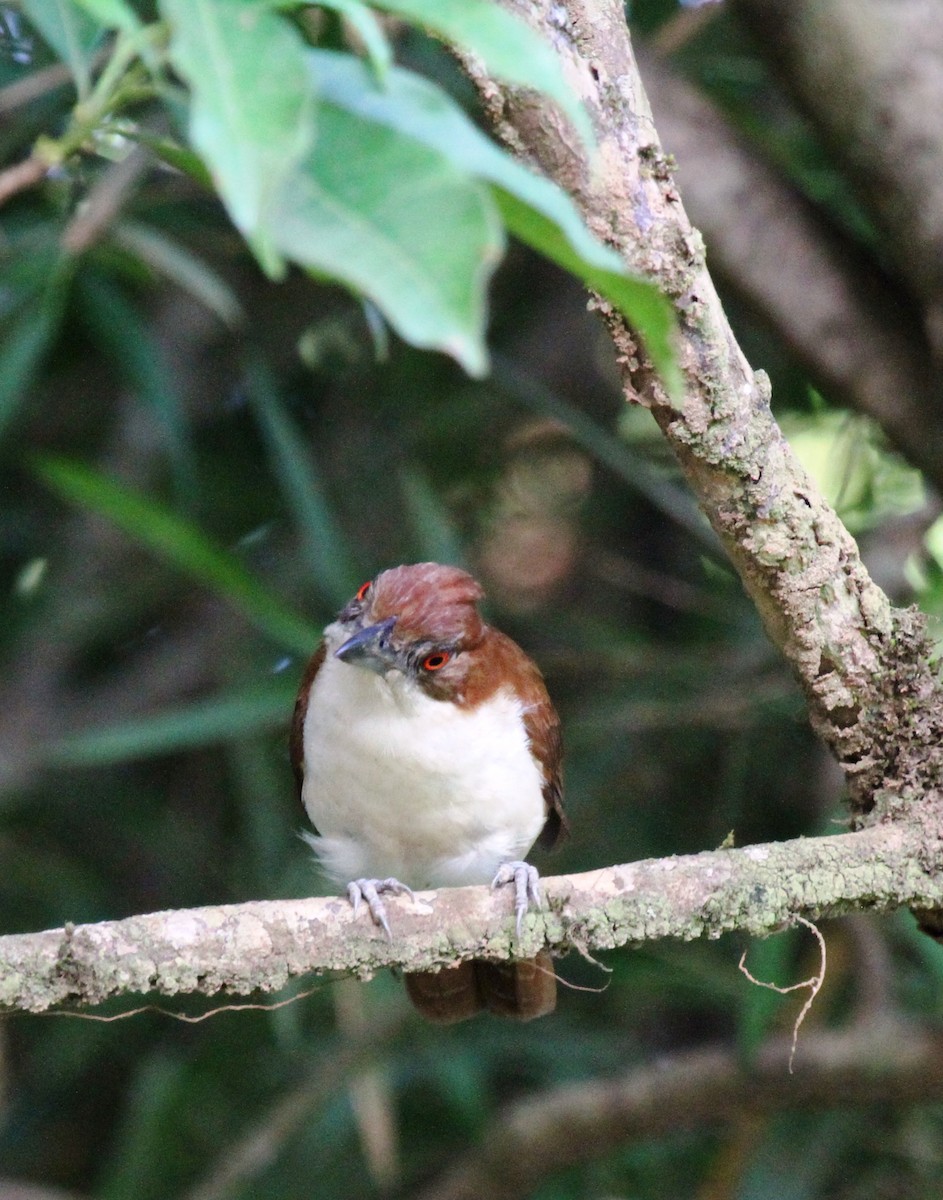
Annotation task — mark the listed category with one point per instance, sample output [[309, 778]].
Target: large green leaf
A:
[[534, 208], [181, 543], [253, 104], [398, 223], [507, 46]]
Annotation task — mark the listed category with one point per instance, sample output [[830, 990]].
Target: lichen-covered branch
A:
[[797, 561], [241, 948], [890, 1063]]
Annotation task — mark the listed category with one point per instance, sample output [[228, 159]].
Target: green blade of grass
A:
[[180, 543], [222, 718], [327, 553]]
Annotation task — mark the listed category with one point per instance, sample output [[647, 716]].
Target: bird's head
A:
[[420, 620]]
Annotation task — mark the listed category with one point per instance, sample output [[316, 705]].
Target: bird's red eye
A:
[[434, 662], [362, 590]]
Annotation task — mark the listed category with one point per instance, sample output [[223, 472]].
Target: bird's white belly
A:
[[399, 784]]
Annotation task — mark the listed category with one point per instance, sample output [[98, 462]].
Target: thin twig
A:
[[22, 175], [105, 201]]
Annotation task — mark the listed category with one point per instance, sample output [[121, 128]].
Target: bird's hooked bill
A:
[[370, 647]]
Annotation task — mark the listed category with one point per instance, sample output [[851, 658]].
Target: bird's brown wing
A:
[[542, 726], [296, 745], [543, 732]]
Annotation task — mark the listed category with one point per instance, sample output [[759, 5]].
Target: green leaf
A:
[[534, 208], [183, 267], [434, 533], [508, 47], [398, 223], [113, 14], [645, 308], [70, 32], [179, 157], [125, 337], [181, 543], [28, 330], [325, 549], [362, 20], [221, 718], [252, 110]]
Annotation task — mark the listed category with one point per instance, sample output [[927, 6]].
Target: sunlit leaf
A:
[[252, 110], [398, 223], [181, 543], [508, 47], [534, 208]]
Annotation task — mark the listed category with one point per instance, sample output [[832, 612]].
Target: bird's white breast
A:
[[400, 784]]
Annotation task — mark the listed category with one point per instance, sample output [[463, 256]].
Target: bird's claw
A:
[[526, 882], [359, 890]]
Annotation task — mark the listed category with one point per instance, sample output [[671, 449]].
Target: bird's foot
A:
[[526, 882], [360, 890]]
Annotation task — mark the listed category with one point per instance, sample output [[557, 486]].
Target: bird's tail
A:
[[522, 990]]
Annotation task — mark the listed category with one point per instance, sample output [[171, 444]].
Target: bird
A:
[[427, 753]]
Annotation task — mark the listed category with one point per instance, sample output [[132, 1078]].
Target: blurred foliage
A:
[[201, 458]]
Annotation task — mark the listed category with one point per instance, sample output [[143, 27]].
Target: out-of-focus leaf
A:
[[647, 311], [848, 458], [252, 109], [183, 267], [435, 536], [534, 208], [181, 158], [29, 329], [113, 14], [363, 21], [70, 32], [221, 718], [398, 223], [182, 544], [126, 339], [158, 1089], [326, 550], [507, 46]]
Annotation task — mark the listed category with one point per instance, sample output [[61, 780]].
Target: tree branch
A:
[[889, 1063], [240, 948], [22, 175], [799, 564]]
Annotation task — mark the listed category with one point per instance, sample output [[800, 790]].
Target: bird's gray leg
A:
[[359, 890], [526, 882]]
